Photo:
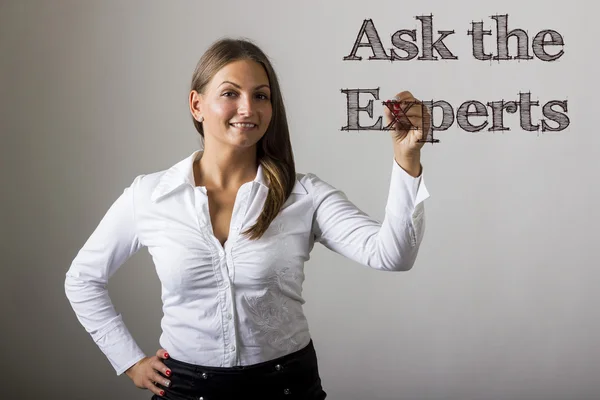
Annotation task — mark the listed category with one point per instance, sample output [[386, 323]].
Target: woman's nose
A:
[[245, 106]]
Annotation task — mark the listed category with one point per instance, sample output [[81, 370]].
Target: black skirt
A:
[[295, 376]]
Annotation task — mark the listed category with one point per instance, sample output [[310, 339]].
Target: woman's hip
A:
[[294, 376]]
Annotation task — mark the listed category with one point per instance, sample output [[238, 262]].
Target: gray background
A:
[[502, 301]]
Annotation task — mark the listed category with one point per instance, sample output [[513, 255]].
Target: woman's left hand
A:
[[411, 122]]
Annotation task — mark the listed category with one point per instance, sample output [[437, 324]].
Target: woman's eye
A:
[[260, 96]]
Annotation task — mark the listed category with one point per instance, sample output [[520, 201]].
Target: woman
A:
[[229, 229]]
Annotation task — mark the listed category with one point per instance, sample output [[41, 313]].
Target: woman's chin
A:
[[245, 139]]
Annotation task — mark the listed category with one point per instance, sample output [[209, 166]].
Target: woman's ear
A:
[[195, 102]]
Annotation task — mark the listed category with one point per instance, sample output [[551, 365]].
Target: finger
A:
[[399, 120], [162, 353], [417, 122], [405, 95], [410, 114], [400, 136], [161, 367], [407, 114], [159, 380], [414, 112], [394, 110], [413, 108], [418, 134], [410, 111], [151, 386]]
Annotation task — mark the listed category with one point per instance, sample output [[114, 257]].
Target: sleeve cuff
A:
[[129, 364], [119, 347], [406, 192]]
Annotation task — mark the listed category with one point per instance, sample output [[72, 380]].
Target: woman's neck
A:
[[225, 170]]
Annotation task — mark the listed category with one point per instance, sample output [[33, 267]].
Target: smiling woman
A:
[[229, 229], [235, 101], [234, 83]]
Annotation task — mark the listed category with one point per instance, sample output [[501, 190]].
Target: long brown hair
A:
[[274, 149]]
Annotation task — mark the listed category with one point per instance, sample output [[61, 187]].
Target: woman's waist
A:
[[233, 346], [265, 362]]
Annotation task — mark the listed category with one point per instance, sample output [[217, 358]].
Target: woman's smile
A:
[[244, 126]]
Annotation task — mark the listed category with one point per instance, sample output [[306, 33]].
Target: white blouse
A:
[[241, 303]]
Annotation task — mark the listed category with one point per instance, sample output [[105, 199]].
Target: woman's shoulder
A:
[[312, 183], [147, 181], [149, 186]]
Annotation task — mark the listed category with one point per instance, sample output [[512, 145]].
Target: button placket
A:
[[228, 312], [229, 329], [230, 266], [239, 209]]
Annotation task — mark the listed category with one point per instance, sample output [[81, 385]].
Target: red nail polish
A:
[[166, 355], [162, 392], [168, 373]]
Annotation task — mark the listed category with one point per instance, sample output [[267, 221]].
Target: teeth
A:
[[244, 125]]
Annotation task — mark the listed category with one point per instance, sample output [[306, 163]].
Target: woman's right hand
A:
[[146, 373]]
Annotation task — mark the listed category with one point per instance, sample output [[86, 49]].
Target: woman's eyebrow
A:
[[239, 87]]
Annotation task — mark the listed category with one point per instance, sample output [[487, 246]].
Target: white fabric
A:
[[241, 303]]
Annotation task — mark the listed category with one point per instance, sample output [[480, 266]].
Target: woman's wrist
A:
[[410, 162]]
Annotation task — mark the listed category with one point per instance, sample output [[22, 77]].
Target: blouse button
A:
[[287, 391], [204, 375], [278, 367]]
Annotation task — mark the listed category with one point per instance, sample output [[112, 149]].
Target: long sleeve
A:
[[110, 245], [390, 245]]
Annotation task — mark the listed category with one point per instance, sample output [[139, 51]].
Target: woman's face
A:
[[236, 104]]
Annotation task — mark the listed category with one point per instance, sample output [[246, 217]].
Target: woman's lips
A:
[[244, 127]]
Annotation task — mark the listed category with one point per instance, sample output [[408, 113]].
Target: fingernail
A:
[[162, 392], [167, 383], [166, 355], [168, 372]]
